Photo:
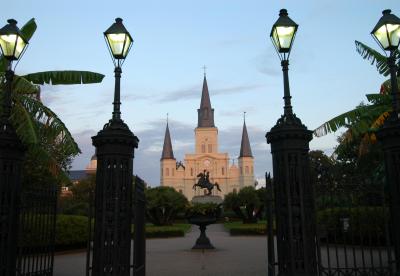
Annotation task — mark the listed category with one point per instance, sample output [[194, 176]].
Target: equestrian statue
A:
[[204, 182]]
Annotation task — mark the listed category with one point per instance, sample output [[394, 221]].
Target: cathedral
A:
[[206, 158]]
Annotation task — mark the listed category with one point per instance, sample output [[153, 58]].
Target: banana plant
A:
[[364, 120], [38, 127]]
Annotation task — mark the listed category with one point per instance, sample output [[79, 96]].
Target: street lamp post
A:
[[387, 35], [115, 145], [12, 151], [294, 198]]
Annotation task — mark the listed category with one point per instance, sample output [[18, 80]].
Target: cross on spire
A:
[[204, 68]]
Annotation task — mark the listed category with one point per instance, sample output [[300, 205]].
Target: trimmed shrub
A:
[[71, 232], [177, 230], [252, 229], [357, 225]]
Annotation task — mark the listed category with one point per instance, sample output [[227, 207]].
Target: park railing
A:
[[36, 235], [353, 227], [138, 244]]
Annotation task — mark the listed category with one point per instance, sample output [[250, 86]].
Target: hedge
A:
[[176, 230], [71, 232], [253, 229], [365, 225]]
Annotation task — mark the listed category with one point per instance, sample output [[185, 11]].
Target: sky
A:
[[163, 73]]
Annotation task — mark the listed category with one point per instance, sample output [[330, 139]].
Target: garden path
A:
[[233, 256]]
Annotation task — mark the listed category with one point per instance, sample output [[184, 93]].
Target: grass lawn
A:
[[175, 230], [236, 228]]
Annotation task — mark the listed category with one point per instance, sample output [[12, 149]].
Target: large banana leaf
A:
[[64, 77], [375, 57], [50, 123], [359, 119]]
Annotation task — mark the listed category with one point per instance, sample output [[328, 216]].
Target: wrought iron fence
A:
[[36, 237], [353, 228], [353, 223], [138, 245]]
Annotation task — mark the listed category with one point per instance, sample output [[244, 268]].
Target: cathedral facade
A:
[[182, 176]]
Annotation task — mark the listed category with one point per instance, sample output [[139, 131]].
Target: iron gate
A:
[[36, 236], [138, 247], [353, 237], [353, 228]]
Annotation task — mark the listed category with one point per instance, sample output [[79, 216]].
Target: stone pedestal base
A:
[[207, 199]]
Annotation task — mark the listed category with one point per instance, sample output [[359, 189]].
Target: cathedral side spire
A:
[[167, 152], [205, 112], [245, 149]]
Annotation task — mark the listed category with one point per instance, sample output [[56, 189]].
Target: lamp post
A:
[[13, 45], [294, 199], [387, 35], [115, 145]]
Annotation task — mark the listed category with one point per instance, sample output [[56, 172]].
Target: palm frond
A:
[[373, 56], [24, 124], [22, 86], [29, 29], [51, 126], [339, 121], [64, 77], [379, 99]]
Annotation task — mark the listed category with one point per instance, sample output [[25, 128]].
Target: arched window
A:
[[191, 171], [180, 191], [247, 169], [234, 190], [172, 171], [223, 171], [209, 148], [252, 170], [162, 172], [166, 172], [203, 148]]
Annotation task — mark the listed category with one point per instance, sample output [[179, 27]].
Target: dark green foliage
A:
[[375, 57], [71, 232], [205, 209], [176, 230], [64, 77], [250, 229], [79, 202], [246, 204], [366, 225], [163, 204], [47, 139]]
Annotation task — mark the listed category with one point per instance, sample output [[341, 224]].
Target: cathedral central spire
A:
[[205, 112]]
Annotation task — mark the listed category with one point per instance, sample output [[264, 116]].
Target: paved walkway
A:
[[233, 256]]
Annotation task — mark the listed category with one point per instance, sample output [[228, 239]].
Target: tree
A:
[[246, 204], [48, 140], [163, 204]]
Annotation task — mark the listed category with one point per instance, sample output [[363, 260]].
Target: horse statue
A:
[[204, 182]]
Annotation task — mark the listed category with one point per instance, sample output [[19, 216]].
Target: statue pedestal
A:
[[202, 220], [207, 199]]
